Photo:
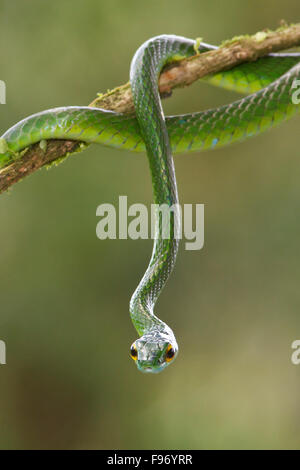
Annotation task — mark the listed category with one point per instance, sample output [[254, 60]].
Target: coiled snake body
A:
[[270, 80]]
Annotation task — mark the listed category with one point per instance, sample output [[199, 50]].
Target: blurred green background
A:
[[69, 381]]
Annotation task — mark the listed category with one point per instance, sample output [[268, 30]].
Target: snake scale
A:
[[269, 85]]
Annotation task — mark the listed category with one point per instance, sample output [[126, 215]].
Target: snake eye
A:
[[170, 353], [133, 352]]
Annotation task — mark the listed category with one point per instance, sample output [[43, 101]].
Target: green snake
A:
[[270, 82]]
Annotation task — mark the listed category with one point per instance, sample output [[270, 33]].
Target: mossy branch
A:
[[182, 73]]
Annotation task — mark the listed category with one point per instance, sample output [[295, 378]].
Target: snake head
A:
[[155, 350]]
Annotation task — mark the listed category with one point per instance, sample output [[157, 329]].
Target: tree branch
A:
[[182, 73]]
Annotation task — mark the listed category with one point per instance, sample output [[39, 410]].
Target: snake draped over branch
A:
[[270, 81]]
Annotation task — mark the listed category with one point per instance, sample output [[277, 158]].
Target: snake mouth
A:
[[150, 370], [149, 367]]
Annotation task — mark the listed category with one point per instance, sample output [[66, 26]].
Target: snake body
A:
[[270, 84]]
